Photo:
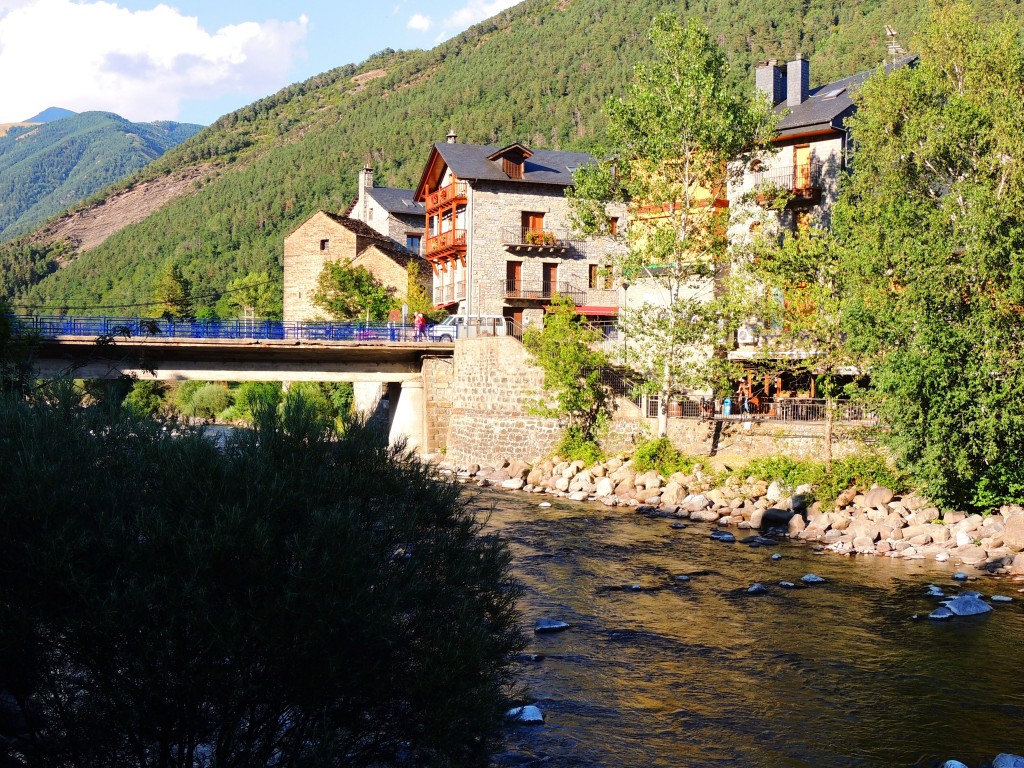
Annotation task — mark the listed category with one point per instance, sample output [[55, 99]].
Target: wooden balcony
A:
[[527, 240], [543, 291], [453, 193], [803, 182], [452, 241]]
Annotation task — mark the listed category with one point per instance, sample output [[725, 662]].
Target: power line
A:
[[212, 295]]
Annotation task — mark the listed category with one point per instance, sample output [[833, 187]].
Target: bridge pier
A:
[[407, 414]]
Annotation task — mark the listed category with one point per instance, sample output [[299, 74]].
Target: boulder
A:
[[547, 626], [796, 524], [613, 464], [756, 516], [696, 503], [578, 496], [845, 498], [757, 589], [968, 604], [776, 518], [514, 484], [864, 545], [774, 492], [1006, 760], [604, 487], [518, 469], [1001, 599], [673, 493], [1017, 567], [812, 578], [841, 521], [964, 539], [878, 496], [971, 555], [723, 536], [528, 715], [1013, 535], [705, 516], [562, 484]]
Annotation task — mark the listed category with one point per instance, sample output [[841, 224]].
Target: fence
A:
[[774, 409]]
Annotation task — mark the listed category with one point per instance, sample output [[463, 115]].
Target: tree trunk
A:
[[663, 402], [829, 422]]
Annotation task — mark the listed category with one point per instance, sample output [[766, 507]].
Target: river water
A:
[[699, 673]]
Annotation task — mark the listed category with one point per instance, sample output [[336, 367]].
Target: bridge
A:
[[368, 355]]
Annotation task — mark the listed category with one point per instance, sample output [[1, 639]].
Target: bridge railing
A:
[[52, 326]]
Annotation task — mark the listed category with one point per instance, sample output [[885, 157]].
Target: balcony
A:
[[447, 242], [453, 193], [543, 291], [449, 294], [801, 181], [525, 239]]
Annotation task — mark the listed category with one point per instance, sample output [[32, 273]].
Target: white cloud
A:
[[140, 64], [419, 22], [474, 11]]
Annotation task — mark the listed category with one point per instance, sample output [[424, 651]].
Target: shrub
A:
[[662, 456], [249, 391], [184, 393], [209, 401], [782, 469], [860, 470], [145, 398], [575, 446], [298, 598]]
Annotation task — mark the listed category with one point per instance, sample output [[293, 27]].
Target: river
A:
[[700, 673]]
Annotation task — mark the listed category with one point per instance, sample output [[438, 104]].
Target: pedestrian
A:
[[420, 324]]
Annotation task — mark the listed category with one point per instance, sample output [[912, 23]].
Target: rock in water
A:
[[682, 577], [528, 715], [545, 626], [723, 536], [757, 589], [544, 504], [941, 614], [959, 576], [1001, 599], [1006, 760], [812, 578], [968, 605], [787, 585], [776, 556], [953, 764]]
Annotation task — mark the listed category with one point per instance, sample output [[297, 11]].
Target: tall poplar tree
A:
[[671, 141], [931, 224]]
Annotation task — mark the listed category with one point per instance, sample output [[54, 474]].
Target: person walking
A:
[[420, 325]]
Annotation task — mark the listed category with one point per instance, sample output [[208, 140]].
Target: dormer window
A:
[[513, 160]]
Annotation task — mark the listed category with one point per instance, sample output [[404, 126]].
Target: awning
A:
[[592, 310]]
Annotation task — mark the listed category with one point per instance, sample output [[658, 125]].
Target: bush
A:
[[575, 446], [209, 401], [250, 391], [298, 598], [662, 456], [184, 393], [145, 398], [782, 469], [860, 471]]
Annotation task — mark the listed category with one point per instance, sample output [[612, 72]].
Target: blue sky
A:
[[194, 60]]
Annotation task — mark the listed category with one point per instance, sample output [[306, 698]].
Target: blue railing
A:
[[141, 327]]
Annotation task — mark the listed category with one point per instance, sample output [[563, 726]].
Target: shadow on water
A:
[[661, 672]]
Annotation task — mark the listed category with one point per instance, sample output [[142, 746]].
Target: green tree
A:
[[172, 293], [146, 397], [305, 598], [256, 295], [565, 350], [350, 293], [930, 223], [672, 142]]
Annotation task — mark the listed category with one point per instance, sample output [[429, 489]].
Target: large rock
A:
[[673, 493], [562, 484], [967, 605], [774, 492], [1017, 566], [1006, 760], [705, 515], [776, 518], [514, 484], [972, 555], [878, 496], [518, 469], [528, 715], [846, 498], [796, 524], [547, 626], [604, 487], [696, 503], [1013, 535], [755, 517]]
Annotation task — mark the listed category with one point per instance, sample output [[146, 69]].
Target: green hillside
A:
[[46, 168], [538, 73]]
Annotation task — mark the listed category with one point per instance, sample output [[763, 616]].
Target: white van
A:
[[461, 327]]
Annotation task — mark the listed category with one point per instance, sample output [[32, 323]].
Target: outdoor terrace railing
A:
[[49, 327], [453, 238], [516, 289], [794, 178], [446, 294], [799, 409], [457, 190], [528, 238]]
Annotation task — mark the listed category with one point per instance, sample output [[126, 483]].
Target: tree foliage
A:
[[931, 226], [172, 293], [348, 292], [256, 295], [296, 598], [565, 349], [672, 142]]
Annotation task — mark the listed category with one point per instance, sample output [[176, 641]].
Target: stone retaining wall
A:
[[438, 390]]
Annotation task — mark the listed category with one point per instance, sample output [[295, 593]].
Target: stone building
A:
[[498, 233], [390, 211], [325, 238]]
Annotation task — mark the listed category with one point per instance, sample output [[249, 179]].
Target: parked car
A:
[[461, 327]]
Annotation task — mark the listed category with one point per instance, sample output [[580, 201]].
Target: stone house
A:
[[390, 211], [498, 233], [326, 238]]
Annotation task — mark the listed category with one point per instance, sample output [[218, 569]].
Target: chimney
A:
[[768, 79], [452, 137], [365, 178], [798, 81]]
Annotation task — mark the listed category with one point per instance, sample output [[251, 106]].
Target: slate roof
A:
[[382, 242], [397, 201], [818, 111], [544, 166]]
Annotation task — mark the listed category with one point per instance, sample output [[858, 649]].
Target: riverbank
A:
[[874, 522]]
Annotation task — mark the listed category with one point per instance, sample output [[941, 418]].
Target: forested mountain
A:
[[46, 168], [538, 73]]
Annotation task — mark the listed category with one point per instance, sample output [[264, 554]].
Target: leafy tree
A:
[[250, 393], [15, 352], [671, 142], [349, 293], [565, 350], [930, 224], [256, 295], [172, 293], [145, 397], [305, 598]]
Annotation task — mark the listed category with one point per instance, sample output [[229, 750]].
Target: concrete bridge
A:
[[384, 363]]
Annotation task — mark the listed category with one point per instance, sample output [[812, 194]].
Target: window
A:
[[599, 278], [613, 225], [592, 281], [412, 242], [325, 245]]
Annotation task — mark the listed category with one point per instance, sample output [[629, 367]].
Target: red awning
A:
[[595, 310]]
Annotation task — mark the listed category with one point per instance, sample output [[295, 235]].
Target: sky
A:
[[195, 60]]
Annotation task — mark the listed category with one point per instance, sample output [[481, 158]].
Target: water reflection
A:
[[699, 673]]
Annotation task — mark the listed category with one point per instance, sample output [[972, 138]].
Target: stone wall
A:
[[494, 386], [304, 261], [438, 392]]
